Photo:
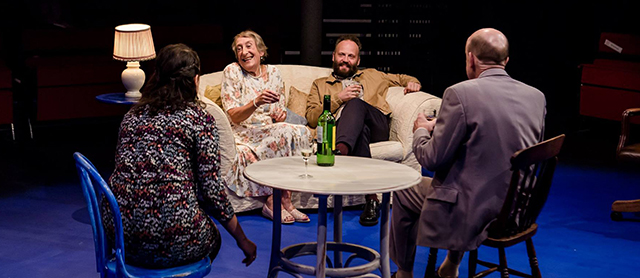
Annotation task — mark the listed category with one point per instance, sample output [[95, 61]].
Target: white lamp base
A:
[[133, 79]]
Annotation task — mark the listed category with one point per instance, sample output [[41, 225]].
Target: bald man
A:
[[482, 122]]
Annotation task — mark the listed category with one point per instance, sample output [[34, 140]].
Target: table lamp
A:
[[133, 43]]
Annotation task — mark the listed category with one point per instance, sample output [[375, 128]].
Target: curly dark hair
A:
[[172, 85]]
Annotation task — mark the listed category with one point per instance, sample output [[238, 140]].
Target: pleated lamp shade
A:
[[133, 42]]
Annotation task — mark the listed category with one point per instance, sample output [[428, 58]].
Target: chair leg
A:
[[626, 206], [473, 262], [431, 263], [504, 270], [533, 260]]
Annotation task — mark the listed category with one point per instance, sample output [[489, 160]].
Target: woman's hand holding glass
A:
[[278, 114], [274, 108], [267, 97]]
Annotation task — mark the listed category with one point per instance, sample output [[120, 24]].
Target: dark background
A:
[[548, 40]]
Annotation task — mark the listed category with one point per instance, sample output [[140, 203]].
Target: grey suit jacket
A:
[[481, 123]]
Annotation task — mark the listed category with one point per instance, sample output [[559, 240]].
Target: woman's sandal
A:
[[299, 216], [268, 213], [437, 274]]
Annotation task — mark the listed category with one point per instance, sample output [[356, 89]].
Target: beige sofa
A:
[[405, 110]]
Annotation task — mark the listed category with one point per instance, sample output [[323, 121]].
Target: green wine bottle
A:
[[326, 135]]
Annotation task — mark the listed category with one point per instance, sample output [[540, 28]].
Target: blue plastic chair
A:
[[110, 261]]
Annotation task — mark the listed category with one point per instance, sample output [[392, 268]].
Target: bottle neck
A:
[[327, 104]]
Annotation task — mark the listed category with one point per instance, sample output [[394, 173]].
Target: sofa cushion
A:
[[297, 102], [387, 150], [213, 93]]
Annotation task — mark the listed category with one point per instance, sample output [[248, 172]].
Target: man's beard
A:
[[352, 70]]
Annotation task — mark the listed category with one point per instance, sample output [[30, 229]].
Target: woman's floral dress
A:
[[167, 184], [257, 137]]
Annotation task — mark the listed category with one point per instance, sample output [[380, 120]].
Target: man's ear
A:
[[505, 62], [333, 56], [472, 60]]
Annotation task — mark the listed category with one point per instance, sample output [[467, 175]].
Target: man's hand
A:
[[412, 87], [422, 121], [278, 115], [249, 249], [349, 93]]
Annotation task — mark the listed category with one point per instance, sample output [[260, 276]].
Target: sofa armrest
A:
[[228, 150], [405, 111]]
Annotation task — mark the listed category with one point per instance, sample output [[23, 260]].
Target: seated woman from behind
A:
[[253, 97], [167, 180]]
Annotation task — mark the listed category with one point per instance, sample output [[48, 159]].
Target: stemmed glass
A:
[[307, 151]]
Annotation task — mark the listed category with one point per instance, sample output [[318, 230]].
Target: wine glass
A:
[[307, 151]]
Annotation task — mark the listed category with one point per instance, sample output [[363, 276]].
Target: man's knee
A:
[[355, 103], [399, 196], [402, 199]]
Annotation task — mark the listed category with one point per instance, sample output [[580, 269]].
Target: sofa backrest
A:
[[298, 76], [301, 77]]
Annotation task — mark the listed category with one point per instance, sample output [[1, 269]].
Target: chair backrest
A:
[[533, 170], [627, 117], [95, 188]]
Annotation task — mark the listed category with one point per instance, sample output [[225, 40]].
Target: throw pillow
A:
[[213, 93], [297, 102]]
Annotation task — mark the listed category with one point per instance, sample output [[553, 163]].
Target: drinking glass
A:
[[349, 82], [272, 108], [307, 151]]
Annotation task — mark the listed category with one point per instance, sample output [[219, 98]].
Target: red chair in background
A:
[[627, 152]]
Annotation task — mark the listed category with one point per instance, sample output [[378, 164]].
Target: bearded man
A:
[[358, 99]]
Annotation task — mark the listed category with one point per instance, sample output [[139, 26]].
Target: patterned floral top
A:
[[257, 137], [167, 183]]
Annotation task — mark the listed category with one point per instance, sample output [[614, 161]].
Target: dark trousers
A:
[[359, 125]]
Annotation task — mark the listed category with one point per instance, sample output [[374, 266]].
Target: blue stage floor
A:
[[44, 230]]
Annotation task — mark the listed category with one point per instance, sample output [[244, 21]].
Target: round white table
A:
[[349, 176]]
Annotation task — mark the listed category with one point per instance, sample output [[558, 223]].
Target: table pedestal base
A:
[[281, 259], [357, 251]]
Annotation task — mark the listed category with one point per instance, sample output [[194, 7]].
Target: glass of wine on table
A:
[[307, 151]]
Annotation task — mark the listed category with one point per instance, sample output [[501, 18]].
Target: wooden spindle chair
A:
[[533, 170], [629, 153]]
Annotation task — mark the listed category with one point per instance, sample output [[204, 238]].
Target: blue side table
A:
[[117, 98]]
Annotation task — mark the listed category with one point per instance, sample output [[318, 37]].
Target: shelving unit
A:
[[396, 35]]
